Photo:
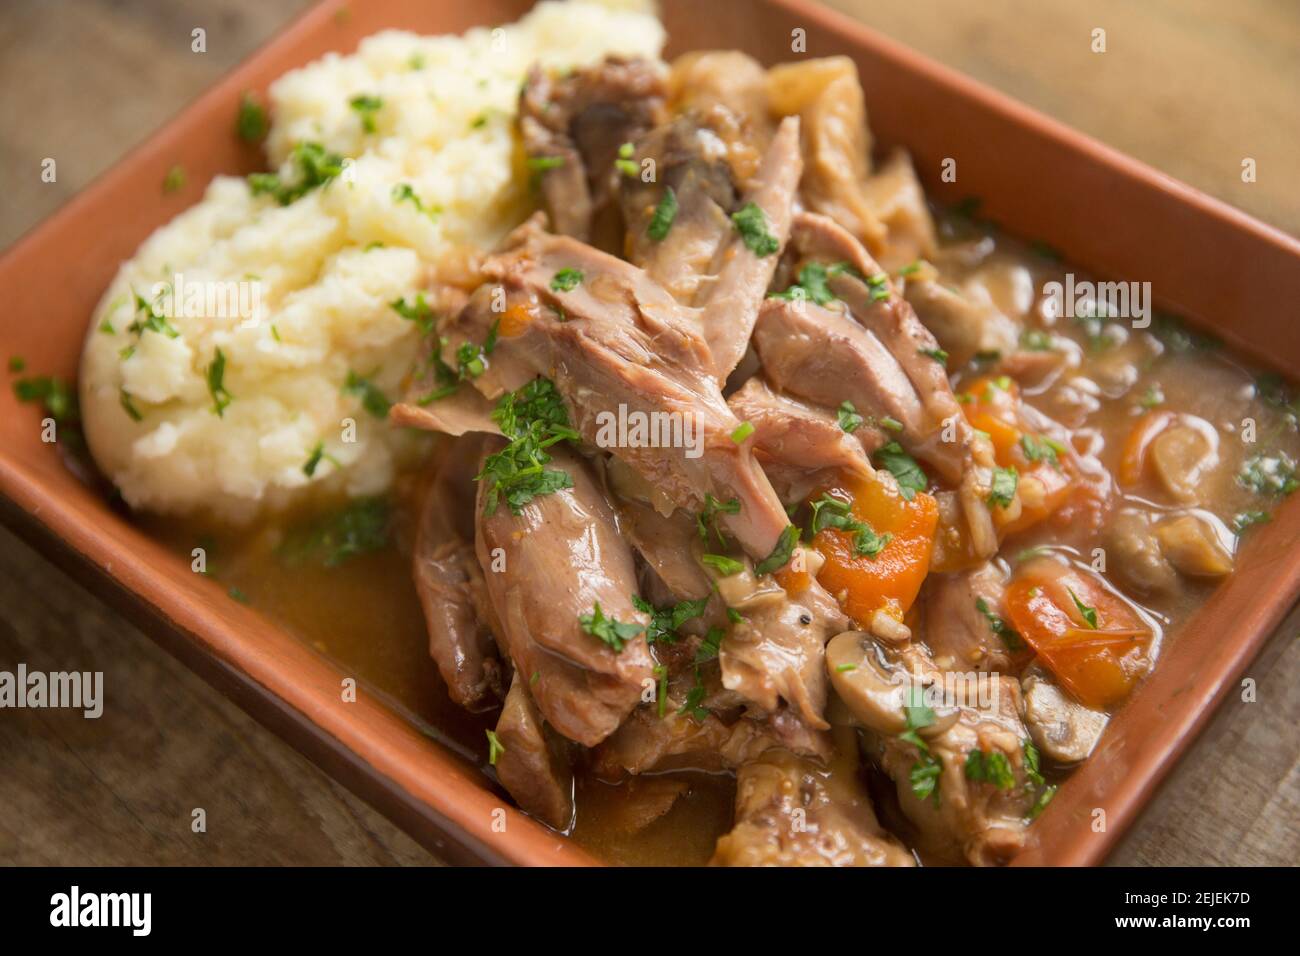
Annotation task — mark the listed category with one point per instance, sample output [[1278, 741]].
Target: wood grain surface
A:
[[1190, 86]]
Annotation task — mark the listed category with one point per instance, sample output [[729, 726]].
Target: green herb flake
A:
[[1003, 490], [1089, 614], [1040, 449], [403, 192], [495, 747], [613, 632], [1246, 519], [831, 512], [707, 519], [849, 419], [780, 555], [363, 527], [751, 223], [252, 122], [366, 106], [174, 181], [741, 432], [1036, 340], [813, 285], [1000, 627], [904, 468], [566, 280], [318, 454], [724, 565], [540, 164], [1269, 474], [216, 377], [418, 312], [315, 166], [533, 418], [666, 621], [939, 355], [372, 398], [664, 215], [993, 767], [128, 406]]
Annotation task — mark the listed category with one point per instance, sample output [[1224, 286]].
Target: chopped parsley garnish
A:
[[1178, 338], [1000, 627], [1003, 490], [1245, 519], [360, 528], [879, 286], [1269, 474], [751, 223], [780, 555], [566, 280], [216, 377], [417, 312], [1152, 397], [924, 776], [741, 432], [893, 424], [661, 689], [1033, 765], [252, 123], [722, 564], [710, 645], [939, 355], [238, 595], [830, 512], [372, 398], [707, 519], [495, 747], [541, 164], [1089, 613], [533, 418], [1036, 340], [318, 454], [128, 405], [174, 180], [812, 285], [992, 767], [366, 107], [665, 621], [16, 364], [613, 632], [316, 166], [849, 418], [664, 214], [1041, 449], [625, 164], [904, 468], [403, 192], [57, 397], [149, 319], [1044, 798]]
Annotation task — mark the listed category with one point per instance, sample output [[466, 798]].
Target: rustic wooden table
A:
[[1190, 86]]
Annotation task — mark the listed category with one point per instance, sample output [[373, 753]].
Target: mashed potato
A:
[[227, 368]]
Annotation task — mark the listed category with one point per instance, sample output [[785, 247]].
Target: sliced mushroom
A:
[[1181, 456], [1193, 547], [1136, 555], [1062, 728], [872, 693]]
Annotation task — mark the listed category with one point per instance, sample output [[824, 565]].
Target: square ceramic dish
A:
[[1108, 213]]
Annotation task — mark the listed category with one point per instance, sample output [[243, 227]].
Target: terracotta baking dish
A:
[[1107, 212]]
